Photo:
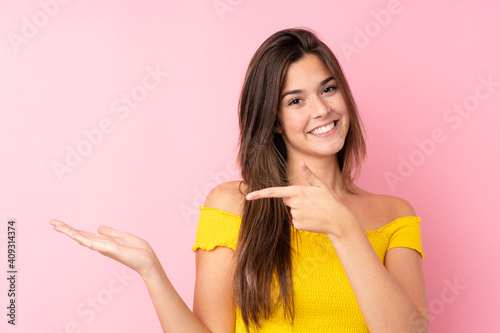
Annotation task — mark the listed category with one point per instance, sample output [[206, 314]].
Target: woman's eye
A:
[[294, 101], [329, 89]]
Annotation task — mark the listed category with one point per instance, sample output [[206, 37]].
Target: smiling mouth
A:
[[324, 129]]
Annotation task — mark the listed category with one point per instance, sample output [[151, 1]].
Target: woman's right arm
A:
[[213, 309], [213, 297], [213, 302], [134, 252], [173, 313]]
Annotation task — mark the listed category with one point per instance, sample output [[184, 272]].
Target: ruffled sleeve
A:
[[216, 228], [406, 233]]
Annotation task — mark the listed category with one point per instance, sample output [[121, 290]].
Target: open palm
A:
[[123, 247]]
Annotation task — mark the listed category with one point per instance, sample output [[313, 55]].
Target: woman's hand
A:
[[314, 208], [134, 252], [123, 247]]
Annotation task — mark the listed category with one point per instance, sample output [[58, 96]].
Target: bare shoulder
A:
[[397, 207], [375, 210], [228, 196], [392, 207]]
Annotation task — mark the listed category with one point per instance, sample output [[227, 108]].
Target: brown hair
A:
[[263, 252]]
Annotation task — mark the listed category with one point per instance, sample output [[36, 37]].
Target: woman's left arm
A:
[[391, 297]]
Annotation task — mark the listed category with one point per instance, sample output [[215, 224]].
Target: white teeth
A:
[[324, 129]]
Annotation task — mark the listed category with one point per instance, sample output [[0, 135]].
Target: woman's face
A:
[[312, 115]]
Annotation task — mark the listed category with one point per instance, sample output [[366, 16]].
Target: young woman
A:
[[296, 246]]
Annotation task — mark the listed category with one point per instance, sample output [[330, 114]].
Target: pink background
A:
[[64, 69]]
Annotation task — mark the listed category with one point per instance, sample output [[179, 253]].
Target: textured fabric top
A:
[[323, 298]]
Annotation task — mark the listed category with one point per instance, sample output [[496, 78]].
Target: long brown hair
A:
[[263, 252]]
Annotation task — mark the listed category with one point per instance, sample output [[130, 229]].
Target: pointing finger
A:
[[272, 192], [309, 175]]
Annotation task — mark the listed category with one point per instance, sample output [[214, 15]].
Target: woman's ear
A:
[[277, 128]]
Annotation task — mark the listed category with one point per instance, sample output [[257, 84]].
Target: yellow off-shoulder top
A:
[[323, 298]]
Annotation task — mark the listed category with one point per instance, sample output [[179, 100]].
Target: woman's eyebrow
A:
[[298, 91], [325, 81], [291, 92]]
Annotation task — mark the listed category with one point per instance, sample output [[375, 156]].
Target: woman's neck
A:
[[326, 168]]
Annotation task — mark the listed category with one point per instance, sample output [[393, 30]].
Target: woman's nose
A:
[[319, 107]]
